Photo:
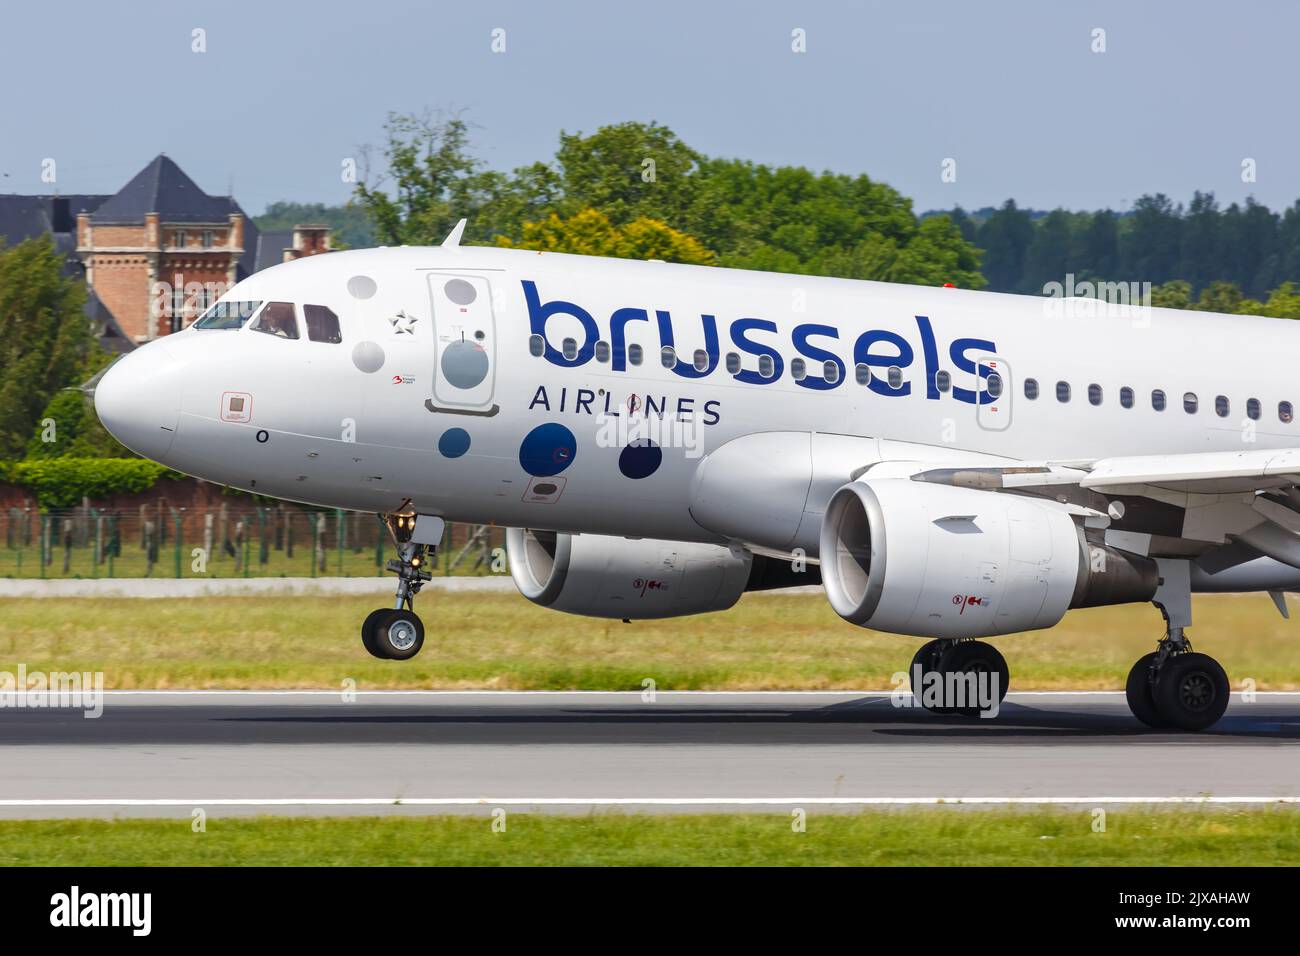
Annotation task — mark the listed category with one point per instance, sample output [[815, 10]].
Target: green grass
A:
[[480, 640], [919, 837]]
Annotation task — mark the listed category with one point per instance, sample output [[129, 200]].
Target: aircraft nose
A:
[[139, 399]]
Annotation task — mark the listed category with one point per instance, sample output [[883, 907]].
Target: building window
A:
[[1253, 409], [1094, 394], [322, 324], [1158, 401], [1190, 403], [1222, 406], [209, 238], [1031, 388], [179, 240], [1126, 397], [1062, 391]]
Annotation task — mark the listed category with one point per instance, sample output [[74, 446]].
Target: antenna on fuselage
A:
[[453, 237]]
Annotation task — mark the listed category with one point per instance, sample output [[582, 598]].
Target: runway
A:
[[166, 753]]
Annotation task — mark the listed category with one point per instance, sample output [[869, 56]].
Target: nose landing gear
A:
[[397, 633]]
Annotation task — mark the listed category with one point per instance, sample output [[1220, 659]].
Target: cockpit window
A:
[[322, 324], [277, 319], [227, 315]]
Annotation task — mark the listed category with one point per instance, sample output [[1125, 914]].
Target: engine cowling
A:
[[634, 578], [951, 562]]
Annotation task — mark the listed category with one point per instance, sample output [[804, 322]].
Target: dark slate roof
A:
[[26, 217], [163, 188], [270, 248]]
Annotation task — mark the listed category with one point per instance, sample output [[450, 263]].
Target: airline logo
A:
[[816, 344]]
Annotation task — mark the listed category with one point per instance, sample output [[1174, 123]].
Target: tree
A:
[[350, 225], [590, 233], [1005, 236], [44, 337], [629, 171]]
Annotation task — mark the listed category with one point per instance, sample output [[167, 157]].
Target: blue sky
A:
[[1011, 90]]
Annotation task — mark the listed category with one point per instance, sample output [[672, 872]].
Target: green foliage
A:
[[63, 482], [590, 233], [350, 225], [44, 337]]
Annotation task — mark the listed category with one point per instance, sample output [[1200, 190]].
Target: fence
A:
[[275, 541]]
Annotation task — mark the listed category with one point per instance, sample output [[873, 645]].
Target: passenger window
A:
[[733, 363], [602, 351], [1158, 400], [569, 349], [1222, 406], [1253, 408], [994, 384], [895, 377], [798, 369], [322, 324], [701, 360], [862, 373], [536, 346], [1062, 391], [1031, 388], [831, 372], [766, 367], [227, 315], [634, 354], [278, 319], [942, 381], [668, 356], [1284, 412], [1126, 397], [1094, 394], [1190, 404]]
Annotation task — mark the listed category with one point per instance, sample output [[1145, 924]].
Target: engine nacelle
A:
[[950, 562], [634, 578]]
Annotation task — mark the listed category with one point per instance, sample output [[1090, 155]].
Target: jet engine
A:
[[637, 578], [951, 562]]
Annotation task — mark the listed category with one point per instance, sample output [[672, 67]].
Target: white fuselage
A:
[[435, 397]]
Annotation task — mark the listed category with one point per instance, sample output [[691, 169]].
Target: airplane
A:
[[659, 439]]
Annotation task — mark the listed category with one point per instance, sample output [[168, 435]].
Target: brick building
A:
[[156, 253]]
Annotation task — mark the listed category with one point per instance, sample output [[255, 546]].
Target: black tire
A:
[[1191, 692], [1138, 689], [399, 635], [369, 632], [978, 658], [927, 658]]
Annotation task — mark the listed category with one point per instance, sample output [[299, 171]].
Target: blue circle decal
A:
[[454, 442], [547, 450], [641, 459]]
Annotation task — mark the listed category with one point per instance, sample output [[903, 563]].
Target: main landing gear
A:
[[959, 677], [1174, 687], [397, 633]]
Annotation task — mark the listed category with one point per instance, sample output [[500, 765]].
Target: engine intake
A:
[[951, 562], [633, 578]]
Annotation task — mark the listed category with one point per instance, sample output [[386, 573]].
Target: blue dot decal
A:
[[641, 459], [454, 442], [547, 450]]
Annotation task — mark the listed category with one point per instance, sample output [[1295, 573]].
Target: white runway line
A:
[[638, 801]]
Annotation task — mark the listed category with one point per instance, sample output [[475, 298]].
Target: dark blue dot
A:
[[454, 442], [641, 459], [547, 450]]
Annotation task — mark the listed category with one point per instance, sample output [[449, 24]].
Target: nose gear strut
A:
[[397, 633]]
